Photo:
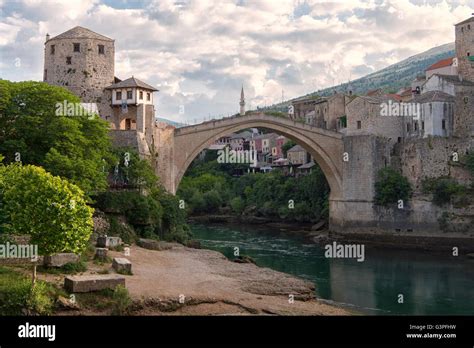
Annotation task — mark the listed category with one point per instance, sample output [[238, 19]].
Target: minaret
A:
[[242, 102]]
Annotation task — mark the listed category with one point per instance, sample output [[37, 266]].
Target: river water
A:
[[430, 283]]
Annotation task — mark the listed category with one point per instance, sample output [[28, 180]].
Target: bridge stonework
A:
[[351, 182]]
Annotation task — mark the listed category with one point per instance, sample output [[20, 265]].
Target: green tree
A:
[[49, 209], [73, 147], [391, 187]]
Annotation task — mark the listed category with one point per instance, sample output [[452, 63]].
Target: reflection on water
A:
[[430, 284]]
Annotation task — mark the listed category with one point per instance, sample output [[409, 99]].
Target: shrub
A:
[[213, 201], [122, 230], [49, 209], [237, 204], [17, 294], [391, 187], [121, 301], [443, 190]]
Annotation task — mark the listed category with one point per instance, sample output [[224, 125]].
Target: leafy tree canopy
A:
[[76, 147], [48, 208]]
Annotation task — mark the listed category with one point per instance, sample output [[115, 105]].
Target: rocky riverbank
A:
[[187, 281]]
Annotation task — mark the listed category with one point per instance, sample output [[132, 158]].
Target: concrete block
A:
[[58, 260], [121, 264], [101, 253], [108, 242], [89, 283]]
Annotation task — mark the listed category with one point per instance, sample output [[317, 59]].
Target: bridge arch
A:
[[326, 147]]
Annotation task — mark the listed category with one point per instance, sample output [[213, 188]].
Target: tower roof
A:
[[465, 21], [81, 33], [131, 83]]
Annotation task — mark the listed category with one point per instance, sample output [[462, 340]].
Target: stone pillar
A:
[[365, 157]]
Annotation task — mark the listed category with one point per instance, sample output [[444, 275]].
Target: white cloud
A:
[[200, 52]]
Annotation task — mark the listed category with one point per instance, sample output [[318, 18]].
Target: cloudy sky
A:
[[200, 52]]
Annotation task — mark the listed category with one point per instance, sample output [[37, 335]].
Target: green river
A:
[[430, 283]]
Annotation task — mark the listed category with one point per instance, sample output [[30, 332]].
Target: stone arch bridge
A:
[[351, 183]]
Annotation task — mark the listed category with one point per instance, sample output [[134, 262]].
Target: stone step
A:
[[121, 264], [58, 260], [93, 282]]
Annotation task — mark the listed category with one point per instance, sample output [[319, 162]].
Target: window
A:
[[468, 53], [431, 109], [68, 60], [129, 95], [77, 47], [399, 139], [53, 47], [148, 96], [468, 27], [422, 125], [408, 128], [445, 110], [416, 126], [101, 49], [141, 95], [45, 74], [359, 124], [118, 95], [443, 124]]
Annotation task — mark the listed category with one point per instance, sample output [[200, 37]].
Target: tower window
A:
[[141, 95], [68, 60], [443, 124], [118, 95], [53, 49], [148, 96], [359, 124], [77, 47], [129, 95], [101, 49]]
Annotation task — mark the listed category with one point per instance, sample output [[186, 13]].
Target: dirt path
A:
[[211, 284]]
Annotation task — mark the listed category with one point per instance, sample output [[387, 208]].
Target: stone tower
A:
[[242, 102], [83, 62], [465, 48]]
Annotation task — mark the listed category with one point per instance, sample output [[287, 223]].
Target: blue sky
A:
[[199, 53]]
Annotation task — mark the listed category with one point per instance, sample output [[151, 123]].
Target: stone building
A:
[[446, 66], [464, 32], [297, 155], [327, 111], [364, 117], [302, 106], [437, 114], [83, 62]]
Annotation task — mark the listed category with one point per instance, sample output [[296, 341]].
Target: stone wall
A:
[[463, 124], [432, 158]]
